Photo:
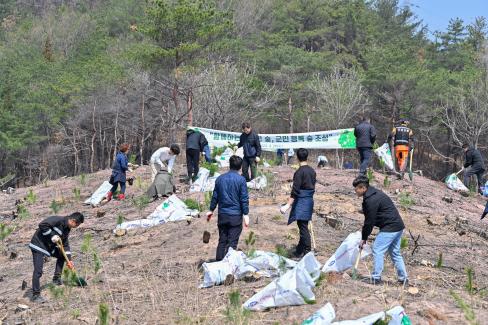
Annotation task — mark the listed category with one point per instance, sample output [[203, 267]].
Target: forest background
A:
[[78, 77]]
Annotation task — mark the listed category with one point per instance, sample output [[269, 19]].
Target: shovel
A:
[[355, 268], [410, 172], [313, 236], [206, 233], [81, 282]]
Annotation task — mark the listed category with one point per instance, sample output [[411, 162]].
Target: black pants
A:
[[304, 245], [470, 171], [228, 237], [246, 163], [38, 259], [192, 161], [365, 156]]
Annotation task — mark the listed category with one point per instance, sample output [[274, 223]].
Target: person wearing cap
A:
[[51, 232], [403, 142]]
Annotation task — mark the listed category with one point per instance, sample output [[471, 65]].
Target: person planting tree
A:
[[50, 233]]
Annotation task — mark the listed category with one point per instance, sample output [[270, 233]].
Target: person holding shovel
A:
[[473, 165], [231, 195], [51, 231], [379, 211], [249, 141], [301, 202]]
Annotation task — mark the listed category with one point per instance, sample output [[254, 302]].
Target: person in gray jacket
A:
[[365, 138]]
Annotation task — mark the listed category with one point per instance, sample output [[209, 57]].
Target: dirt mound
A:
[[151, 276]]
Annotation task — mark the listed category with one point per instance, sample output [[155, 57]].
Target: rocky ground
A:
[[151, 276]]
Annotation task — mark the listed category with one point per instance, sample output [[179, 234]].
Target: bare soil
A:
[[151, 276]]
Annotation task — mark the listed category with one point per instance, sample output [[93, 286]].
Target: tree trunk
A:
[[290, 115], [190, 107], [94, 136], [143, 131]]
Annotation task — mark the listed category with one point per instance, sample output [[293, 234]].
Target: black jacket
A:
[[251, 144], [41, 241], [474, 159], [365, 135], [195, 140], [380, 211], [303, 179]]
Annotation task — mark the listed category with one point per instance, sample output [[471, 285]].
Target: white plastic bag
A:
[[292, 289], [384, 154], [265, 264], [172, 209], [323, 316], [454, 183], [199, 184], [397, 314], [345, 256], [223, 160], [258, 183], [99, 194]]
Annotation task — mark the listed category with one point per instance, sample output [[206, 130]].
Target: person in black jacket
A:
[[365, 134], [301, 202], [379, 211], [249, 140], [51, 231], [474, 165], [195, 143]]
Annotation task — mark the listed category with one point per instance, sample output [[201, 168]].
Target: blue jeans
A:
[[208, 156], [122, 187], [388, 241], [365, 155]]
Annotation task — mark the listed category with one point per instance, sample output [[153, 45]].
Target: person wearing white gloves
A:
[[51, 231], [301, 202], [163, 159], [232, 198]]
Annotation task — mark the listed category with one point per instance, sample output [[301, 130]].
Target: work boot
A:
[[403, 283], [109, 196], [57, 281], [37, 298], [375, 282], [121, 196]]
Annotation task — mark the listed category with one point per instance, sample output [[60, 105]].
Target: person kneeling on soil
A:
[[231, 195], [380, 211], [162, 186], [51, 232], [301, 202]]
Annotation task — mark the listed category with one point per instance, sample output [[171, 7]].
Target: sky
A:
[[436, 13]]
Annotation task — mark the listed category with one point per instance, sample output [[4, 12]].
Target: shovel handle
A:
[[61, 248], [357, 259]]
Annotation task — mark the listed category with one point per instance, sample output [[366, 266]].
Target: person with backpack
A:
[[403, 142]]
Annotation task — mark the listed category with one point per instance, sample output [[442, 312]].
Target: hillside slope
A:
[[151, 276]]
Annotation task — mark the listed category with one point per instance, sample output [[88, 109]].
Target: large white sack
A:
[[172, 209], [202, 177], [216, 272], [384, 154], [454, 183], [223, 159], [210, 185], [397, 314], [292, 289], [99, 194], [265, 264], [345, 256], [323, 316], [258, 183]]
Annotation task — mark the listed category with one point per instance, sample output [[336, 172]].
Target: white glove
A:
[[258, 159], [55, 239], [246, 220], [284, 208]]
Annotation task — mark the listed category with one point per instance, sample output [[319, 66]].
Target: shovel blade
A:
[[206, 237]]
